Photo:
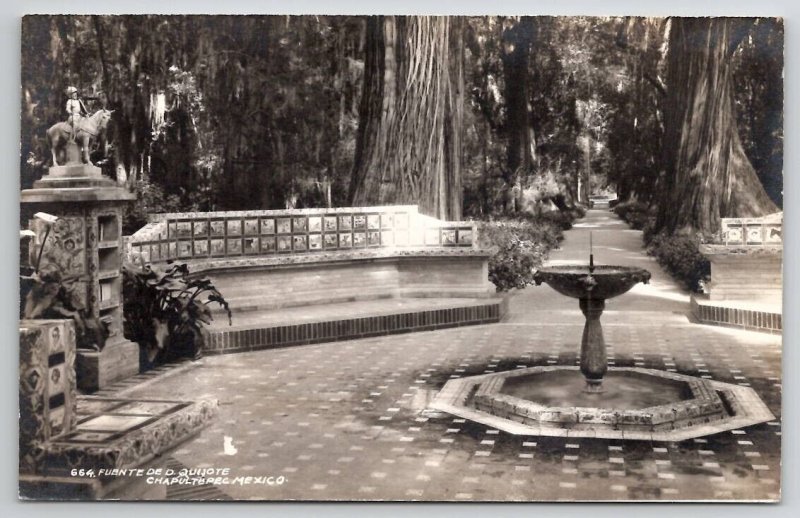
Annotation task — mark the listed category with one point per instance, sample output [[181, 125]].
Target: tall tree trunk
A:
[[708, 175], [517, 41], [409, 135]]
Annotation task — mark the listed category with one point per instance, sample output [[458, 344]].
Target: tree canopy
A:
[[465, 116]]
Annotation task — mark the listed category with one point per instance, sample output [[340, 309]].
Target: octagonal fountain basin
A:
[[638, 404], [623, 390], [591, 282]]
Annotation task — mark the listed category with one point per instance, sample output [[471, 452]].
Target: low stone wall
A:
[[266, 283], [764, 319], [746, 260]]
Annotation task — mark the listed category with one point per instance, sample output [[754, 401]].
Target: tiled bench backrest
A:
[[753, 231], [200, 235]]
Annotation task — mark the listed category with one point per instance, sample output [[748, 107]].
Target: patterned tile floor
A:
[[346, 420]]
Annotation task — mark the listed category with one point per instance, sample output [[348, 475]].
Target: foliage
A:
[[519, 246], [46, 294], [150, 199], [164, 309], [228, 112], [563, 219], [679, 254], [243, 112], [634, 213]]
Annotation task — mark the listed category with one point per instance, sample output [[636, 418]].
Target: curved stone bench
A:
[[256, 283], [295, 300], [313, 275]]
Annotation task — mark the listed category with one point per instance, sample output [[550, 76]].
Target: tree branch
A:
[[621, 42], [102, 53], [656, 82]]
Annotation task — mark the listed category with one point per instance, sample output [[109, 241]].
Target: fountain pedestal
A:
[[594, 364]]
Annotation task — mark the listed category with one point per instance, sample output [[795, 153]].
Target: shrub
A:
[[150, 199], [634, 213], [562, 220], [520, 246], [164, 312], [681, 257]]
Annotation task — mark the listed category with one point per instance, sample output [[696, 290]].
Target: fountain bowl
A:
[[597, 282]]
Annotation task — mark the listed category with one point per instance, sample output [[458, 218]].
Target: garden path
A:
[[661, 302]]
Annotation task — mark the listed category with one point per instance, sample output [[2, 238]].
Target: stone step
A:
[[265, 329], [746, 314]]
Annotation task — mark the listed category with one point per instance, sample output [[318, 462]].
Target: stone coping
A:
[[741, 250], [702, 403], [333, 257], [746, 409], [283, 212], [76, 194]]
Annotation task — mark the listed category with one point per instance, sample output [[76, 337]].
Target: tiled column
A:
[[47, 389]]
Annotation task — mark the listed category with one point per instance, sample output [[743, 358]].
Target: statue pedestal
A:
[[73, 176], [86, 243], [74, 171]]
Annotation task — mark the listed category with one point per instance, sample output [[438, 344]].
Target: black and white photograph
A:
[[401, 257]]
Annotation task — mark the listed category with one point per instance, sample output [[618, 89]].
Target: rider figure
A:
[[76, 110]]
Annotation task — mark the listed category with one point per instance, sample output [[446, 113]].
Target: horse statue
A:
[[88, 128]]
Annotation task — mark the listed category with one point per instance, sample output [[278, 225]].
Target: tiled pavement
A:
[[345, 420]]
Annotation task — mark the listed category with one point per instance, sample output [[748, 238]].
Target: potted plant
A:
[[166, 309]]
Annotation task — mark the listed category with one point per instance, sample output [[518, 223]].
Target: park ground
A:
[[346, 420]]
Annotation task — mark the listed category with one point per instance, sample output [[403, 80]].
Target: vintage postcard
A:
[[401, 258]]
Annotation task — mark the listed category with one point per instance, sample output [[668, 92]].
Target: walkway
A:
[[344, 420], [661, 302]]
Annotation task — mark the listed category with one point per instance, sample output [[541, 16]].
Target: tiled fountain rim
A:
[[696, 386], [750, 410]]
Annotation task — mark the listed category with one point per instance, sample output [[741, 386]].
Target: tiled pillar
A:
[[47, 388]]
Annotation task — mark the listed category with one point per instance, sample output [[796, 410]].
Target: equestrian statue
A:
[[80, 128]]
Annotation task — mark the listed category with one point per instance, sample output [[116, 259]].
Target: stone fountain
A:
[[637, 403], [592, 286]]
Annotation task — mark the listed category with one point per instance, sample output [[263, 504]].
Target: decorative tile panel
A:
[[300, 231]]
